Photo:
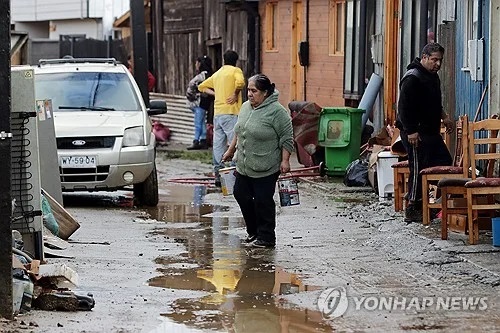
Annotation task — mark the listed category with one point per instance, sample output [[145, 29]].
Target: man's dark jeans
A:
[[430, 151]]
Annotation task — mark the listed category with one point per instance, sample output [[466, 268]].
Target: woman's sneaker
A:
[[262, 244], [250, 238]]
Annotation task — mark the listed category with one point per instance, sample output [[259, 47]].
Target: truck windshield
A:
[[87, 91]]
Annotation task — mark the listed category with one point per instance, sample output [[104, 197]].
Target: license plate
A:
[[78, 161]]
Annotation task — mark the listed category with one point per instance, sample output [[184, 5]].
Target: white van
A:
[[103, 131]]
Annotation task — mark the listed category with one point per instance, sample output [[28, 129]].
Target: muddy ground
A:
[[182, 267]]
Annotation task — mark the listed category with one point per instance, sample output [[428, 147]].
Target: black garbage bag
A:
[[356, 173]]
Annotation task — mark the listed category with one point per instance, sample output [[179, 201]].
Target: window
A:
[[272, 26], [360, 21], [336, 27], [87, 90], [471, 19]]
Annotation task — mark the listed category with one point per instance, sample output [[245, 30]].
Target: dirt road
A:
[[343, 261]]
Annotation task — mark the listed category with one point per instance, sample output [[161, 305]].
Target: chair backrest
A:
[[446, 136], [462, 143], [483, 144]]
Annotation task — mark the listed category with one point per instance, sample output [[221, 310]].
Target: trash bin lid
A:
[[386, 154]]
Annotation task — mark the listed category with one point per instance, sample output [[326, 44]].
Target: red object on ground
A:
[[305, 122], [161, 132]]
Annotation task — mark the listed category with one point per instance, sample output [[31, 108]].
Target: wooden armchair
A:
[[459, 169]]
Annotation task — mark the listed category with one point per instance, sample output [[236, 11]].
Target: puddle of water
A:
[[244, 288], [246, 300]]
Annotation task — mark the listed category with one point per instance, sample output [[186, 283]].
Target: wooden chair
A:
[[459, 169], [482, 188], [455, 205], [401, 173]]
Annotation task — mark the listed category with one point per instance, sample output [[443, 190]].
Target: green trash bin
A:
[[340, 134]]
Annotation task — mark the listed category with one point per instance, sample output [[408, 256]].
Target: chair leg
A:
[[471, 218], [398, 203], [425, 201], [406, 177], [444, 213]]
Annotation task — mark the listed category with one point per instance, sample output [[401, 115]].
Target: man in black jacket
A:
[[420, 112]]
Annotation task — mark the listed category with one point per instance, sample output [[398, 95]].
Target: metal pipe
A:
[[480, 19], [369, 96], [353, 45]]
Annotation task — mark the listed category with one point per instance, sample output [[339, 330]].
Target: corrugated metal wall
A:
[[179, 118], [468, 92]]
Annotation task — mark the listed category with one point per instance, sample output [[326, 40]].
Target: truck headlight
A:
[[133, 136]]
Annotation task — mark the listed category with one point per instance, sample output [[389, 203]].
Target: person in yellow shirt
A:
[[226, 85]]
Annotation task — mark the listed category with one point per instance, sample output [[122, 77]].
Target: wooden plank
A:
[[67, 223], [486, 207]]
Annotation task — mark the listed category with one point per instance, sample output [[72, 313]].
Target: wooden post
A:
[[5, 165], [391, 60], [139, 47]]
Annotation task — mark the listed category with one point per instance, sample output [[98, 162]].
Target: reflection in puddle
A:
[[243, 286]]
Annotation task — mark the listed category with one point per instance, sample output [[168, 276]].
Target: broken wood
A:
[[67, 223]]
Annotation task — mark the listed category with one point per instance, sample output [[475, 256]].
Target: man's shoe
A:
[[262, 244], [203, 144], [413, 214], [250, 238], [194, 146]]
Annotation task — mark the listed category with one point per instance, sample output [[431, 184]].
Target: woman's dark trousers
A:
[[255, 198]]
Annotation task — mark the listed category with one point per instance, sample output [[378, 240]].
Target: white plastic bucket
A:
[[288, 191], [227, 179]]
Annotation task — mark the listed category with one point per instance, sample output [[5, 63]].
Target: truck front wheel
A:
[[146, 193]]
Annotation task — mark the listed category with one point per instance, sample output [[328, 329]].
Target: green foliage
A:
[[204, 156]]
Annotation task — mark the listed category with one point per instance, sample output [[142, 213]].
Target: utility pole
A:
[[139, 47], [5, 167]]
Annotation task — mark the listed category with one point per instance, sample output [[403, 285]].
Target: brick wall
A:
[[325, 73]]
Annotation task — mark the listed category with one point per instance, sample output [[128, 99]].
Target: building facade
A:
[[52, 18]]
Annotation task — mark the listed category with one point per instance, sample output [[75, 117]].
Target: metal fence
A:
[[79, 46], [179, 118]]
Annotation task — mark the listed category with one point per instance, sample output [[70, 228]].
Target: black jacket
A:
[[420, 105]]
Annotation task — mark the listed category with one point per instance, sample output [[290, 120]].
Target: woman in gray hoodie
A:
[[263, 143]]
